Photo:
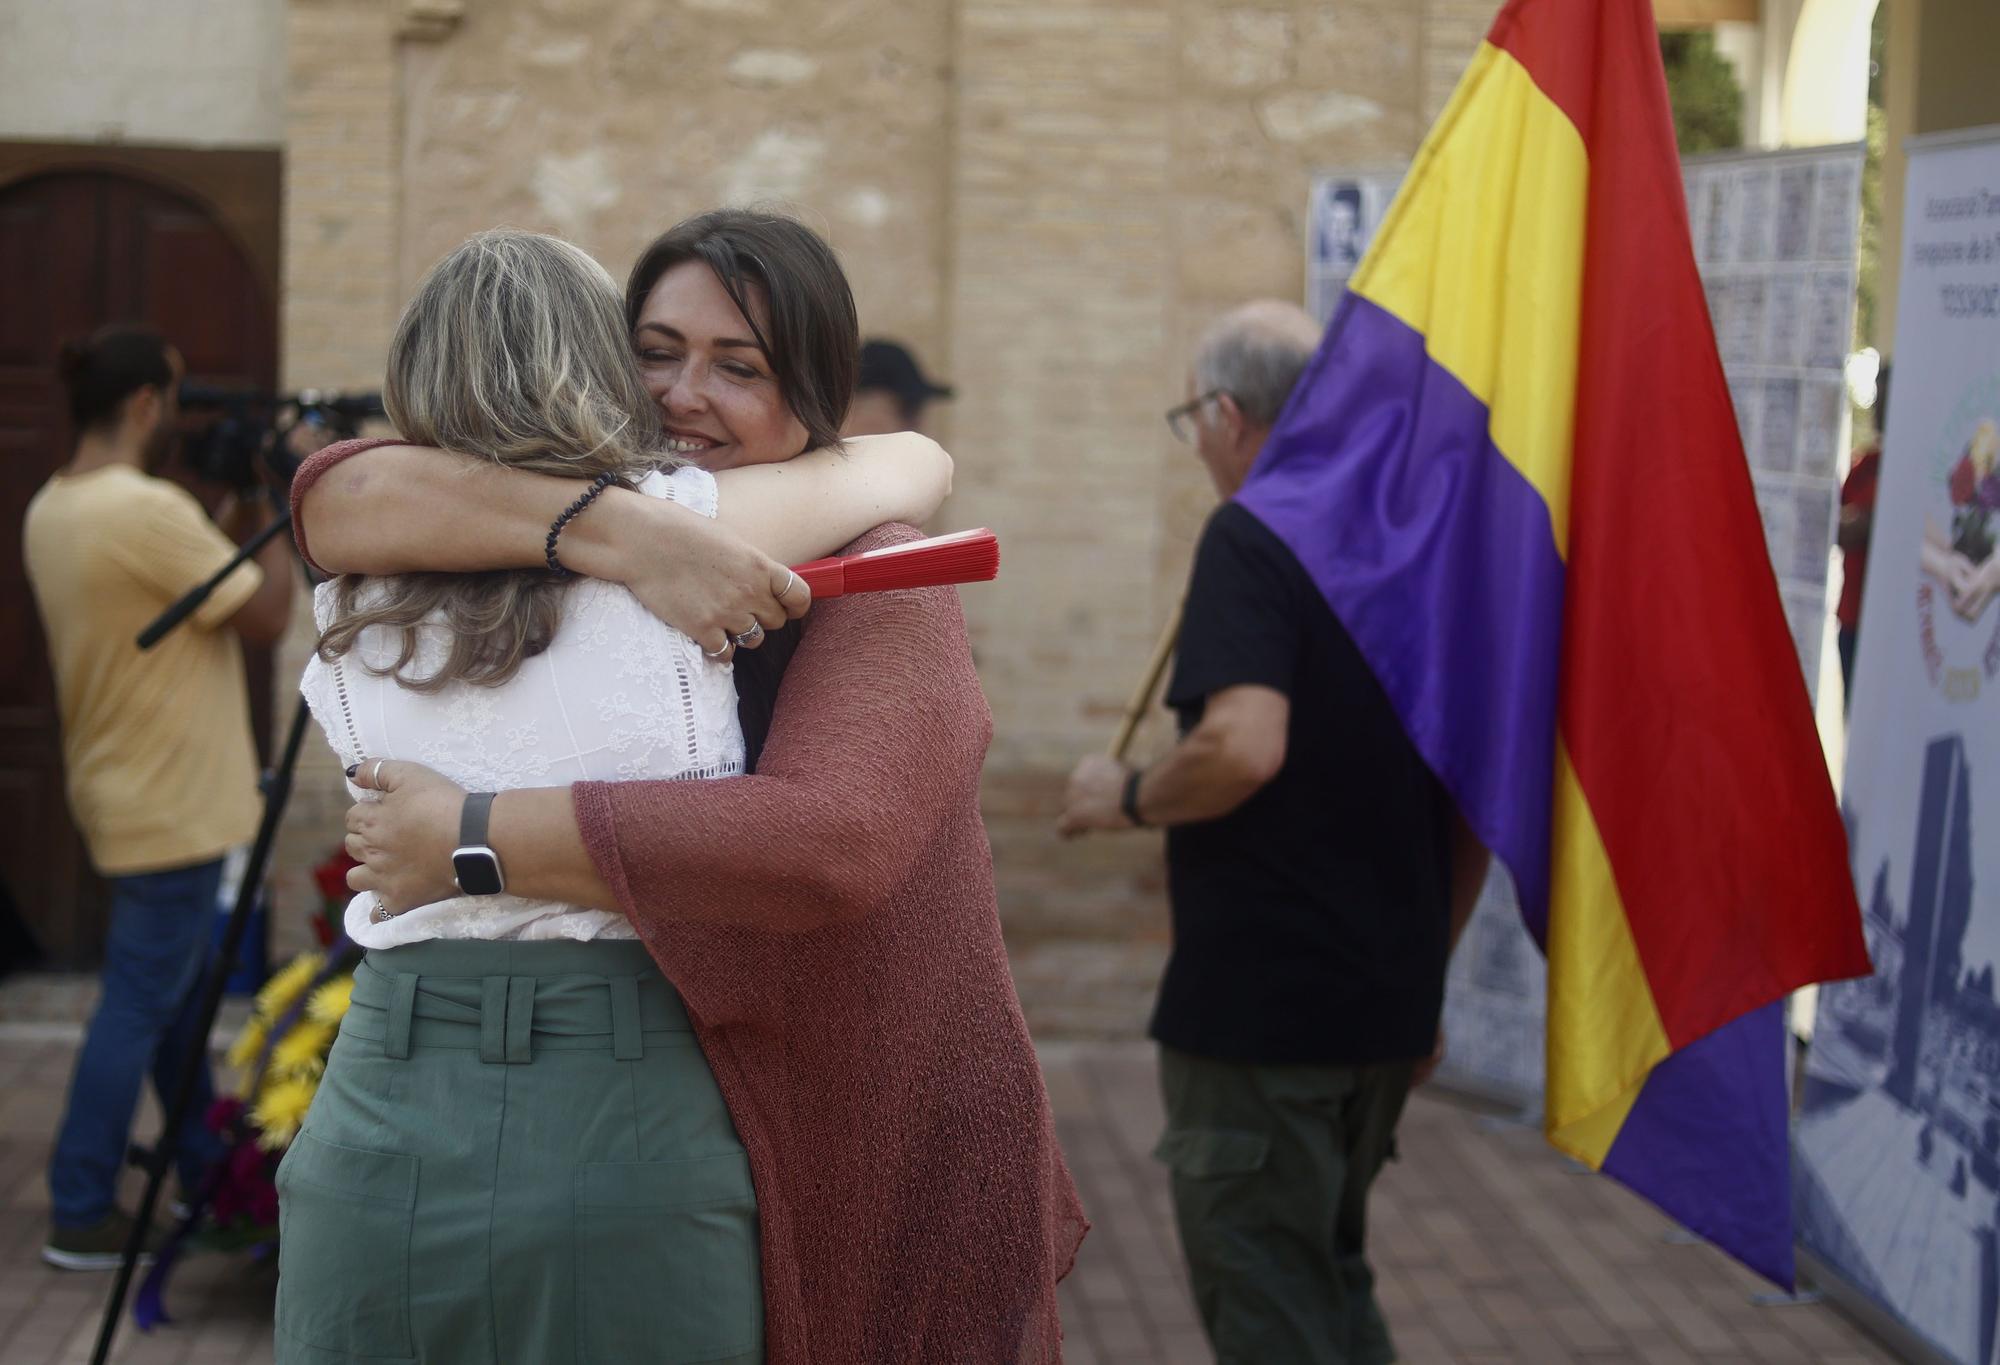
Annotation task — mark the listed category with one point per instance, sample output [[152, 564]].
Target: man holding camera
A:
[[157, 750]]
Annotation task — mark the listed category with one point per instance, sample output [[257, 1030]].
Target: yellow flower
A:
[[329, 1003], [303, 1049], [281, 990], [1984, 448], [243, 1052], [280, 1109]]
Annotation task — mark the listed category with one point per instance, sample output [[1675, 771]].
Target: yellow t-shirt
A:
[[156, 743]]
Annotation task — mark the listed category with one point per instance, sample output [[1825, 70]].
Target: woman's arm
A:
[[391, 508], [879, 735], [404, 840], [384, 509], [811, 506]]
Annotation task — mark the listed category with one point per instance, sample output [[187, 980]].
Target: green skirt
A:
[[517, 1153]]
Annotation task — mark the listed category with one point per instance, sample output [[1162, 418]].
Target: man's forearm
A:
[[1199, 779], [405, 509]]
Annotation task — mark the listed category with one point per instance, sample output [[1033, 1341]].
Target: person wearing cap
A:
[[891, 391]]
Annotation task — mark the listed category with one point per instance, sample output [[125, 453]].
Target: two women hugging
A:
[[685, 1030]]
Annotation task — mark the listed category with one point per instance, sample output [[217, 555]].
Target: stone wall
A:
[[206, 75], [1048, 198]]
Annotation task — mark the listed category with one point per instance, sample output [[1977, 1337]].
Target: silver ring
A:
[[790, 580], [718, 653], [751, 636], [381, 914], [375, 775]]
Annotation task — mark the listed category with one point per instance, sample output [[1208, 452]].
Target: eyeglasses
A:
[[1180, 420]]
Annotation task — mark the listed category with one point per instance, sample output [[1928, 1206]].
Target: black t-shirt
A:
[[1312, 923], [759, 672]]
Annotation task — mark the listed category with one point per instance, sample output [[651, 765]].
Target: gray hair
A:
[[514, 350], [1256, 354]]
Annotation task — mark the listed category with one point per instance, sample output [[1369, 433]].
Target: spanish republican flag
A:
[[1513, 471]]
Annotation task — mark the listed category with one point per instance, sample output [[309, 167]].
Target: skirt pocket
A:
[[344, 1222], [668, 1271]]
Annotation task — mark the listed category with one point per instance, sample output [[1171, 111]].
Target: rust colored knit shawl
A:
[[831, 924]]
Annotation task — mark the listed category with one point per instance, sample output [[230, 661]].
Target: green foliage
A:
[[1869, 265], [1707, 101]]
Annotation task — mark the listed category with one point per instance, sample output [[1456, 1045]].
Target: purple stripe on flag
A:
[[1707, 1141], [1439, 558]]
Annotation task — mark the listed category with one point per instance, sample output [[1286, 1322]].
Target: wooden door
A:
[[79, 249]]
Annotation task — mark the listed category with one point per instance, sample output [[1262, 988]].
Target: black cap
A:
[[889, 365]]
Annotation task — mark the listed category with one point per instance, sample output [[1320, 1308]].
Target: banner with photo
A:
[[1775, 237], [1342, 212], [1897, 1146]]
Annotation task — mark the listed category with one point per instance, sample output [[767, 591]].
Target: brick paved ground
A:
[[1490, 1248]]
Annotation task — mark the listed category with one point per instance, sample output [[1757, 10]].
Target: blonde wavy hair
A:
[[514, 350]]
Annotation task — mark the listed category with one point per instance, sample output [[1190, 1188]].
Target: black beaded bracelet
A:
[[597, 485]]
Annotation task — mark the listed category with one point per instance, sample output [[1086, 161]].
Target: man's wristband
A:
[[1129, 801]]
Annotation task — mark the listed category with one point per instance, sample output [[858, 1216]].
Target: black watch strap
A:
[[472, 821], [1129, 802]]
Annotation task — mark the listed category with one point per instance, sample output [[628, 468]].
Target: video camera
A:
[[251, 426]]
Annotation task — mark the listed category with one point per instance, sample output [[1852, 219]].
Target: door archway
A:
[[79, 248]]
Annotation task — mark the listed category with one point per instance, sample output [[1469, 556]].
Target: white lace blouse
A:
[[616, 696]]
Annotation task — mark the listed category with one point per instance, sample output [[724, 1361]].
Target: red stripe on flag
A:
[[1556, 40], [1682, 703]]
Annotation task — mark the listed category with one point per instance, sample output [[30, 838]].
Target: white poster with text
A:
[[1898, 1139]]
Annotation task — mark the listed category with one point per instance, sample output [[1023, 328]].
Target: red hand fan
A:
[[963, 557]]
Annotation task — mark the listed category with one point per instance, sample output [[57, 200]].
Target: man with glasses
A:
[[1318, 874]]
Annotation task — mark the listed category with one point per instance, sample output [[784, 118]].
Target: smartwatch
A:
[[475, 866]]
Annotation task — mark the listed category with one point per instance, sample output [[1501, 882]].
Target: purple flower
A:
[[1989, 492]]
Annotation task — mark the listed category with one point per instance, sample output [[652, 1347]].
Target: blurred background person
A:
[[159, 762], [1857, 524], [891, 391], [1318, 875]]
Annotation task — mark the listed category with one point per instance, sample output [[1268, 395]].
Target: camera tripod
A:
[[276, 786]]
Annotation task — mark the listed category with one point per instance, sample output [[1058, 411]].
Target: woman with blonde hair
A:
[[516, 1129]]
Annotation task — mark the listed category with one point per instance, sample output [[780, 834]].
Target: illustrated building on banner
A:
[[1896, 1155]]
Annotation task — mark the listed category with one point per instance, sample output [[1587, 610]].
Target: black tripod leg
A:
[[277, 791]]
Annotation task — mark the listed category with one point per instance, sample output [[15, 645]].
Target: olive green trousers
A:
[[1271, 1167], [517, 1154]]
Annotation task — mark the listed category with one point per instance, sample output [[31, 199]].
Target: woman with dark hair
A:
[[829, 920]]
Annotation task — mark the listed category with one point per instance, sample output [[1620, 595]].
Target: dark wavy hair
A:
[[814, 341]]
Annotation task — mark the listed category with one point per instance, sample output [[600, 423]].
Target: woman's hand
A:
[[404, 841], [700, 578]]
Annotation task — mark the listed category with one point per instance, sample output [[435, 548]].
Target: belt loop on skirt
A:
[[520, 1018], [493, 1020], [402, 1004], [626, 1045]]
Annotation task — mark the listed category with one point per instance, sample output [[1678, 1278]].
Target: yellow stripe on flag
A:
[[1482, 253], [1605, 1032]]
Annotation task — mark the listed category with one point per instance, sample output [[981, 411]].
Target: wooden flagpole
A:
[[1149, 685]]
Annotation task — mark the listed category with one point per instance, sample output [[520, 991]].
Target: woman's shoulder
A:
[[689, 485], [888, 533]]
